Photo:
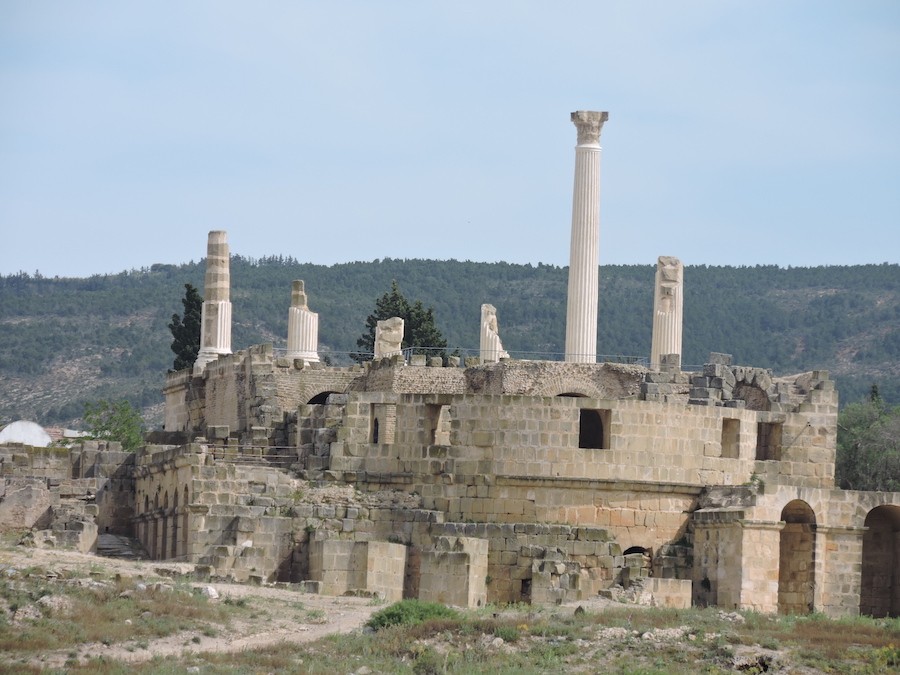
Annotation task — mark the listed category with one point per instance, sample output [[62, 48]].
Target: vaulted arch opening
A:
[[879, 594], [796, 559], [174, 552], [753, 397], [163, 549], [184, 522], [592, 429], [321, 398]]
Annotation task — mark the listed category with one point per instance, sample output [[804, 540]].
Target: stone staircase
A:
[[118, 546]]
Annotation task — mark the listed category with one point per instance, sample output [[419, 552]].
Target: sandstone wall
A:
[[68, 495], [539, 437]]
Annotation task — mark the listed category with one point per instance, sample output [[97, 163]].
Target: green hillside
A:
[[67, 341]]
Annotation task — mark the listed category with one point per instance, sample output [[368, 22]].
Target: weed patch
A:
[[410, 612]]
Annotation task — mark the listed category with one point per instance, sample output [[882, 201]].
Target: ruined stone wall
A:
[[718, 556], [548, 378], [19, 460], [112, 470], [516, 459], [513, 549], [392, 375], [227, 391], [298, 382], [500, 451], [454, 572], [794, 550], [175, 394], [163, 495], [341, 566], [68, 495], [250, 388], [539, 437]]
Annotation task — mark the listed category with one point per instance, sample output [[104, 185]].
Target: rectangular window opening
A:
[[593, 429], [731, 438], [768, 441]]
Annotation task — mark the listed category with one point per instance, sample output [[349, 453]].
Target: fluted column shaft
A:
[[583, 292], [668, 309], [303, 327], [215, 323]]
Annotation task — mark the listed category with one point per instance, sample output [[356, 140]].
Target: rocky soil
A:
[[283, 620]]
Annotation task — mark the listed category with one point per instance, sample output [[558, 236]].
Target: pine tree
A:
[[186, 329], [420, 334]]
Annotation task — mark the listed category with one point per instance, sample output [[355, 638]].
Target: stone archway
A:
[[879, 594], [754, 397], [174, 551], [797, 559], [185, 523], [154, 539], [163, 549], [321, 398]]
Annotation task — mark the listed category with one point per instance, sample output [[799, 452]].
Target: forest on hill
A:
[[65, 342]]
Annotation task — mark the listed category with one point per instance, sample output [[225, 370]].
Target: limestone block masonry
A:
[[501, 481], [533, 481]]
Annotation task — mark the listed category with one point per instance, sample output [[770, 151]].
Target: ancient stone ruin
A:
[[498, 480]]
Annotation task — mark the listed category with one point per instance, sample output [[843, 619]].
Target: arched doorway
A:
[[797, 559], [321, 398], [879, 594], [175, 514], [593, 425], [144, 526], [184, 524], [165, 528], [591, 431], [154, 540]]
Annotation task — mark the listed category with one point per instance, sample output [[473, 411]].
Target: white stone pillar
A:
[[215, 325], [668, 309], [581, 307], [303, 327], [491, 348]]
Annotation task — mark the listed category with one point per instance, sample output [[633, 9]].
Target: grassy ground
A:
[[91, 619]]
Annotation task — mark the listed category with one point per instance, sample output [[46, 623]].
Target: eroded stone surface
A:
[[215, 326], [388, 337], [491, 348], [303, 327], [668, 310]]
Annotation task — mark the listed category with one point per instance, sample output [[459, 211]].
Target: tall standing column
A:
[[215, 323], [668, 310], [581, 308], [303, 327]]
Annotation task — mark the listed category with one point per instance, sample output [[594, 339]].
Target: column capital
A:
[[589, 124]]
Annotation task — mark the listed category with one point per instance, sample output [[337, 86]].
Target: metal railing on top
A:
[[348, 358]]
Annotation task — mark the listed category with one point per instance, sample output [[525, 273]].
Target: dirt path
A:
[[288, 616]]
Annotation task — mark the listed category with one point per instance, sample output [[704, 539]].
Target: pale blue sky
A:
[[739, 133]]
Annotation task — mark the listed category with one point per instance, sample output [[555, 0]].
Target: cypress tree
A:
[[186, 329]]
